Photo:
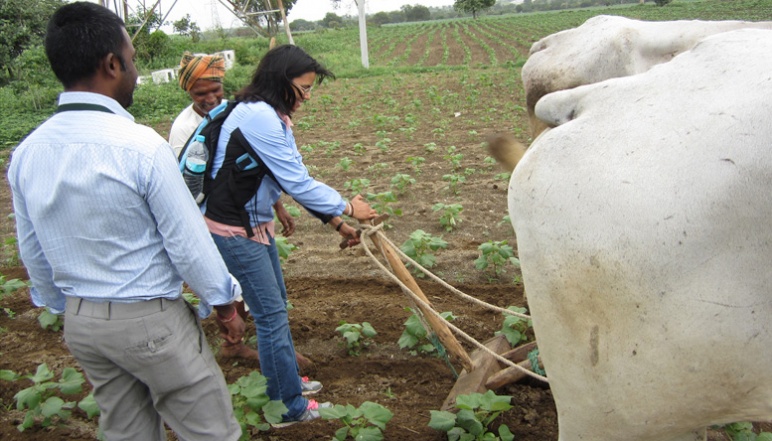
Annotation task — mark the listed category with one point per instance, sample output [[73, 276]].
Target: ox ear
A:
[[560, 107], [506, 150]]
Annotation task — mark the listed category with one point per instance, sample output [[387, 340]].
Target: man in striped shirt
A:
[[108, 231]]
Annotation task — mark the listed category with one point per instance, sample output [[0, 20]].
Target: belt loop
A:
[[109, 310], [163, 304], [77, 308]]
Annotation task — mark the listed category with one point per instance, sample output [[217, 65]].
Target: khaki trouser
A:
[[149, 363]]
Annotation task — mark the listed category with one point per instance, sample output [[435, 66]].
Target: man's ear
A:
[[110, 65]]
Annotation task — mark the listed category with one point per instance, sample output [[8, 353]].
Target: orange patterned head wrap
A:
[[200, 67]]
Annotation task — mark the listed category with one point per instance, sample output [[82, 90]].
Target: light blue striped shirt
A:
[[102, 213]]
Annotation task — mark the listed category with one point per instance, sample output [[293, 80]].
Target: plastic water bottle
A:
[[195, 165]]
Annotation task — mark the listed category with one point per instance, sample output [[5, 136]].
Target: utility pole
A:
[[362, 34], [286, 25]]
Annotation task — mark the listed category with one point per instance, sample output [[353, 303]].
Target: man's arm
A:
[[185, 236], [43, 291]]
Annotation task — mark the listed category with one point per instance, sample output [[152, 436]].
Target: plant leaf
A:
[[89, 405], [8, 375], [52, 406], [467, 420], [273, 411], [42, 374], [71, 381], [442, 420], [376, 414], [369, 434]]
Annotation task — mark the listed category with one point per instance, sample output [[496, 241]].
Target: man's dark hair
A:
[[272, 81], [78, 37]]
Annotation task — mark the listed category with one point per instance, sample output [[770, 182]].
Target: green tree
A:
[[264, 24], [22, 25], [380, 18], [302, 25], [473, 6], [332, 20], [187, 27], [416, 12]]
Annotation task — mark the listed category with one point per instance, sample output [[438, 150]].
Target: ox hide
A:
[[644, 230], [607, 47]]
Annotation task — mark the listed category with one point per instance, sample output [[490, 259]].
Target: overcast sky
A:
[[206, 13]]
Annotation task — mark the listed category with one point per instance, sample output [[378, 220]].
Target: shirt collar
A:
[[94, 98]]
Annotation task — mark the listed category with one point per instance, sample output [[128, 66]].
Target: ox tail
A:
[[506, 150]]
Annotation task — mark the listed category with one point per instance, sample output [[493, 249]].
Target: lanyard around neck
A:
[[82, 106]]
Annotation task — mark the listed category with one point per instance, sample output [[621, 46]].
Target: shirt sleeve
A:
[[177, 138], [186, 238], [43, 291], [266, 134]]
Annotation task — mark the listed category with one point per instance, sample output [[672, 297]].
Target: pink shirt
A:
[[261, 231]]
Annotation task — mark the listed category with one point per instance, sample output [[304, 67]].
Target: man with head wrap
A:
[[201, 76]]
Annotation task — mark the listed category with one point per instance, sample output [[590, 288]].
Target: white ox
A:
[[644, 230], [610, 47]]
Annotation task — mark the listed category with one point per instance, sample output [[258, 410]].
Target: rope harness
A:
[[370, 230]]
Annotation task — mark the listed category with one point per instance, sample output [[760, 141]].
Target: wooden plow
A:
[[492, 365]]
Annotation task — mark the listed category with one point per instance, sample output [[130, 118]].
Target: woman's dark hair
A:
[[272, 81], [78, 37]]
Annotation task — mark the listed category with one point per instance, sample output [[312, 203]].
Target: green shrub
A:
[[356, 336], [477, 412], [365, 423], [41, 401], [420, 247]]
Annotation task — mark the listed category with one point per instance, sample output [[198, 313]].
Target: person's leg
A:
[[251, 263], [126, 407]]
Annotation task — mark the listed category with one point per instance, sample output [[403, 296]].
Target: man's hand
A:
[[286, 219], [232, 326]]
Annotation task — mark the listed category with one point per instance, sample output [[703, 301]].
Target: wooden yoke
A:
[[438, 325]]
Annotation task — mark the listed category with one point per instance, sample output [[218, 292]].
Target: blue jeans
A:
[[257, 268]]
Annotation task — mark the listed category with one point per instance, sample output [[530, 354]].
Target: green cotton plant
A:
[[284, 248], [10, 286], [476, 413], [356, 336], [420, 246], [41, 400], [357, 186], [514, 328], [450, 215], [454, 181], [49, 321], [495, 254], [381, 202], [743, 431], [415, 336], [401, 181], [365, 423], [345, 163], [251, 405], [416, 162]]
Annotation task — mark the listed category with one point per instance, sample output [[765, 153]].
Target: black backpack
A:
[[239, 177]]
